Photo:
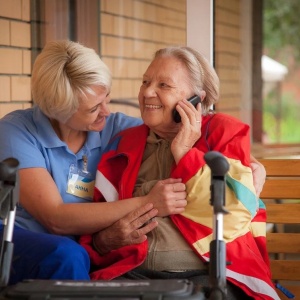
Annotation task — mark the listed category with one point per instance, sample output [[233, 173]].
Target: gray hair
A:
[[202, 75], [63, 73]]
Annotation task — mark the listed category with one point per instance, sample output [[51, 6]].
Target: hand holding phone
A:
[[194, 100]]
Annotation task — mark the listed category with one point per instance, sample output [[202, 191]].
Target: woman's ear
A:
[[202, 95]]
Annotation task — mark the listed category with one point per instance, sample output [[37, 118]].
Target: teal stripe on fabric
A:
[[261, 204], [243, 194]]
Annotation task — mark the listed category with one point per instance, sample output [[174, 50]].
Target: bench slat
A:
[[285, 269], [285, 213], [281, 189], [282, 167], [283, 242]]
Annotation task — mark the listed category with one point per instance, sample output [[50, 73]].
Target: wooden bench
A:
[[281, 194], [275, 150]]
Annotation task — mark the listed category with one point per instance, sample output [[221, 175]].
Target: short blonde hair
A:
[[62, 74], [202, 75]]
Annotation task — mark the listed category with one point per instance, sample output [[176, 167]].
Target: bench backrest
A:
[[281, 194]]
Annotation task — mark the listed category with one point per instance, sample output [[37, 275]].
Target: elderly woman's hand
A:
[[131, 229], [168, 196], [190, 130]]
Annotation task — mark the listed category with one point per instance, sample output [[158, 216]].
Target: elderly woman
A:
[[161, 148]]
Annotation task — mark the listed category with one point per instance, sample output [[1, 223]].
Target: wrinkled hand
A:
[[131, 229], [168, 197], [259, 175], [190, 130]]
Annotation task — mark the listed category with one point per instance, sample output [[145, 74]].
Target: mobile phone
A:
[[194, 100]]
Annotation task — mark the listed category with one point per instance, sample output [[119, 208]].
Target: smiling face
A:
[[92, 111], [165, 82]]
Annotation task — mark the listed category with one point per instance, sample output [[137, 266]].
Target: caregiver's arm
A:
[[259, 174]]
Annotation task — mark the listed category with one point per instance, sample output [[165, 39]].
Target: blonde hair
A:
[[63, 74], [202, 75]]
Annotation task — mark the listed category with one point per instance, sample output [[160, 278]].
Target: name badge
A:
[[80, 183]]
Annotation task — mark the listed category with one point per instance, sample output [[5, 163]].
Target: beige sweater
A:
[[168, 250]]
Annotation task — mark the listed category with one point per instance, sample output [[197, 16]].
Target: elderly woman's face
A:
[[165, 82]]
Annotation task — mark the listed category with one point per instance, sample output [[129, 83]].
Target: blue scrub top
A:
[[28, 136]]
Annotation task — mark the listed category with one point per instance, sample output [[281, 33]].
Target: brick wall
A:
[[15, 55], [228, 55], [131, 31], [130, 36]]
